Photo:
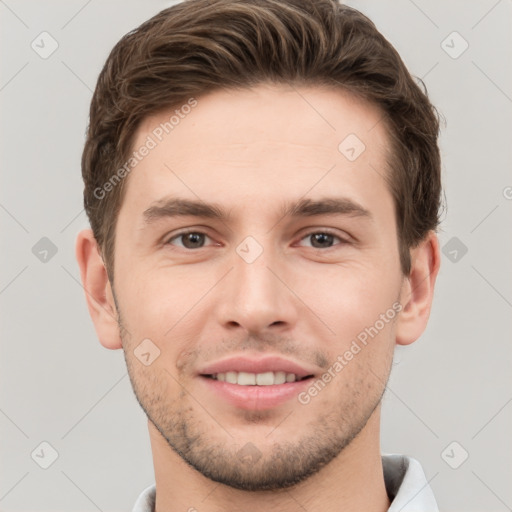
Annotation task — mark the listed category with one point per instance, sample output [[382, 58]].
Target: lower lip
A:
[[256, 397]]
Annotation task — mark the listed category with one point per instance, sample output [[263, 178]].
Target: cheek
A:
[[157, 300], [350, 298]]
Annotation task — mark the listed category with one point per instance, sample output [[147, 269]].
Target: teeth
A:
[[247, 379], [232, 377], [280, 377], [264, 379], [253, 379]]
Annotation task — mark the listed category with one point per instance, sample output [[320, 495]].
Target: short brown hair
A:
[[198, 46]]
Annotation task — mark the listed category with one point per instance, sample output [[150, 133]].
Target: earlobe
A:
[[418, 290], [98, 292]]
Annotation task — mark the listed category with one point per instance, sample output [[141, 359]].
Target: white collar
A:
[[406, 485]]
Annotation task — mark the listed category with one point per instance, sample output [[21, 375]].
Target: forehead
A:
[[278, 112], [238, 145]]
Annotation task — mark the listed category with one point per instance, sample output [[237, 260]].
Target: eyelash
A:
[[323, 232]]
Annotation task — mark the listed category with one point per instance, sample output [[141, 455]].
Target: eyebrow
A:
[[178, 207]]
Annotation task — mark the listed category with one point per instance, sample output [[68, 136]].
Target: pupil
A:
[[193, 238], [322, 238]]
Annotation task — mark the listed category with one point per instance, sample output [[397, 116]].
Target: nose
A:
[[255, 296]]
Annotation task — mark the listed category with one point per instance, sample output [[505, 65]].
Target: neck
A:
[[352, 482]]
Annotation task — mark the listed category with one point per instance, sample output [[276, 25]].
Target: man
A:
[[262, 181]]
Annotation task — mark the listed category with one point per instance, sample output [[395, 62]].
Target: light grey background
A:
[[59, 385]]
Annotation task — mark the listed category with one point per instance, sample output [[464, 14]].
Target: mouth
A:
[[255, 383], [269, 378]]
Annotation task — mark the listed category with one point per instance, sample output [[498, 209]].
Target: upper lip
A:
[[256, 365]]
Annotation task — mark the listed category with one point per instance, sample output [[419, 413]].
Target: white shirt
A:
[[406, 485]]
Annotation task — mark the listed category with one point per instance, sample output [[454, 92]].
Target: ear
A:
[[98, 292], [418, 290]]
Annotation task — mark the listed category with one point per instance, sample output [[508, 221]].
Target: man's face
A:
[[260, 291]]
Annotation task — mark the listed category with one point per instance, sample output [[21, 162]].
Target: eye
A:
[[190, 239], [323, 239], [196, 239]]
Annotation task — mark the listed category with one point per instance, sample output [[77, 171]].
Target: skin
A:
[[249, 151]]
